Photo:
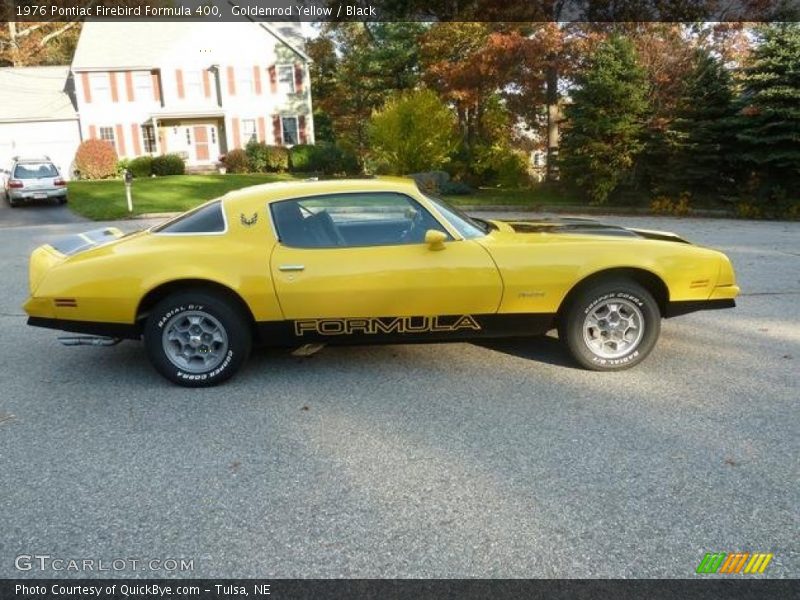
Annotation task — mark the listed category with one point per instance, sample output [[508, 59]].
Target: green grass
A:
[[537, 196], [105, 200]]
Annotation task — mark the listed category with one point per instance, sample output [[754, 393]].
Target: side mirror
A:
[[435, 239]]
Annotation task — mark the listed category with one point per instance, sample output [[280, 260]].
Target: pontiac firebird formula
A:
[[365, 261]]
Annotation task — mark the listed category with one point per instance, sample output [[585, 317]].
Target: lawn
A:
[[105, 200]]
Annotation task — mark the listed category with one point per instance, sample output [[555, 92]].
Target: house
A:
[[196, 89], [37, 115]]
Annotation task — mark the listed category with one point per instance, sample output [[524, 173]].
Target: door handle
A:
[[291, 267]]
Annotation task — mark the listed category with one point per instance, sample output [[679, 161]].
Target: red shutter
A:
[[87, 90], [257, 80], [273, 79], [136, 136], [262, 129], [276, 130], [92, 132], [156, 86], [120, 141], [298, 78], [112, 78], [179, 81], [301, 125], [206, 84], [231, 81], [237, 140], [129, 85]]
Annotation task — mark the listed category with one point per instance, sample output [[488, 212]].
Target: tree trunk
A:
[[553, 117]]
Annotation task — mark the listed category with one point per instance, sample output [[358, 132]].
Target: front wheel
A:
[[611, 326], [197, 339]]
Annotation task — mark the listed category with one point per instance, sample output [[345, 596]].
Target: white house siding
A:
[[211, 82]]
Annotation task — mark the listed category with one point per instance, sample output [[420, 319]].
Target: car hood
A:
[[577, 225]]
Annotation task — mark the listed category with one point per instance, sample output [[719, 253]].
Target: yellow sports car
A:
[[365, 261]]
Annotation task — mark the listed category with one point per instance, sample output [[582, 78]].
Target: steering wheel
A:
[[416, 221]]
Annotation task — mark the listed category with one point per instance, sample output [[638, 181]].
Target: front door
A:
[[201, 143], [363, 255]]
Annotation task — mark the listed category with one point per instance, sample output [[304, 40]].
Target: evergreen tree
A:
[[704, 130], [769, 129], [605, 119]]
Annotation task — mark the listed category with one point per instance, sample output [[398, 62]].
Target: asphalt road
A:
[[502, 460], [37, 213]]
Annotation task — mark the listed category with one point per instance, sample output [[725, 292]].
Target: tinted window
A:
[[35, 170], [350, 220], [205, 219]]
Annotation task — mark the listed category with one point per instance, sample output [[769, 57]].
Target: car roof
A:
[[29, 159], [283, 190]]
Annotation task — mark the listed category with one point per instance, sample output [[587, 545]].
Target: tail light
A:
[[59, 181], [15, 184]]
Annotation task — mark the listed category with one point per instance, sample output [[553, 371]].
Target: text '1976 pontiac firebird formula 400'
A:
[[365, 261]]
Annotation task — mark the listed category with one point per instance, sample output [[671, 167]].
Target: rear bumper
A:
[[114, 330], [37, 194], [676, 309]]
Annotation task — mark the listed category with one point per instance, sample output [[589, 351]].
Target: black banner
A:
[[735, 588], [403, 10]]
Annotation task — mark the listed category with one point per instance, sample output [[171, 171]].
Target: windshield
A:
[[35, 171], [468, 227]]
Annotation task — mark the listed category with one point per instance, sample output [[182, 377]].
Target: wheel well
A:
[[649, 281], [157, 294]]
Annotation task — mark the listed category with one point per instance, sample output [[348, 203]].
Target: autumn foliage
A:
[[96, 159]]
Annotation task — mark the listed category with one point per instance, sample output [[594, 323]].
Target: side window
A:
[[352, 220], [207, 218]]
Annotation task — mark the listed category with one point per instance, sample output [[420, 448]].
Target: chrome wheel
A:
[[613, 328], [195, 341]]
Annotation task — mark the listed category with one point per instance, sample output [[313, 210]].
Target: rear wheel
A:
[[197, 339], [611, 325]]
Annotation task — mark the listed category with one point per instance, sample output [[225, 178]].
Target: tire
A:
[[622, 340], [62, 200], [202, 326], [12, 203]]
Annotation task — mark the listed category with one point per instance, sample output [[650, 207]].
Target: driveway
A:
[[458, 460], [40, 213]]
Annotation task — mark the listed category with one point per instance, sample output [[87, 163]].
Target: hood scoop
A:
[[578, 225], [72, 244]]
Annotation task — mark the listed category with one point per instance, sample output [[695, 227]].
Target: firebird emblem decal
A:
[[248, 222], [385, 325]]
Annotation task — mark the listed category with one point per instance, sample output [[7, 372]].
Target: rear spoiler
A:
[[72, 244]]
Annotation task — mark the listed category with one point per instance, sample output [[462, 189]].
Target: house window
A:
[[188, 137], [286, 78], [246, 81], [249, 130], [143, 86], [290, 131], [101, 87], [149, 138], [193, 82], [107, 134]]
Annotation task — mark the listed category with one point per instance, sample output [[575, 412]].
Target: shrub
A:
[[237, 161], [332, 159], [122, 165], [257, 156], [431, 182], [303, 158], [96, 159], [414, 131], [457, 188], [277, 159], [168, 164], [663, 205], [141, 166]]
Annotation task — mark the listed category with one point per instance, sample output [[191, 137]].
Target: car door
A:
[[364, 255]]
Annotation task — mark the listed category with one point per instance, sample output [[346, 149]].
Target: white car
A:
[[33, 179]]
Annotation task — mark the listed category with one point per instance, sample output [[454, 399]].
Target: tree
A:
[[705, 129], [414, 131], [356, 67], [769, 127], [605, 120]]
